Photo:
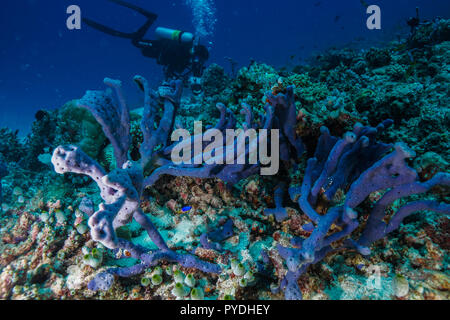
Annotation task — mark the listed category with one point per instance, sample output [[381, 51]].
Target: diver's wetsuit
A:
[[176, 57]]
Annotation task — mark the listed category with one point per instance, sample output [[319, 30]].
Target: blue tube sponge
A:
[[122, 188], [113, 117], [359, 165], [279, 211]]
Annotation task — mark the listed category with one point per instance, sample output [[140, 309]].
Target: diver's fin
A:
[[143, 30], [108, 30], [139, 34], [145, 13]]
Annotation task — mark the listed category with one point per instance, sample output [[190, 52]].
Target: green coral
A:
[[77, 126], [214, 80]]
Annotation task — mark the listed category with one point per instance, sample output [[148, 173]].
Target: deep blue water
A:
[[44, 65]]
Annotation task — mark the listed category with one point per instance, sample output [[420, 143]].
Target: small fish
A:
[[336, 19], [186, 209], [317, 4]]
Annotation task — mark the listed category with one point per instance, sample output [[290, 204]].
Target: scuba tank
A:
[[176, 35], [198, 53]]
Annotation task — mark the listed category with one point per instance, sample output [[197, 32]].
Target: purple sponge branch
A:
[[114, 118], [210, 240], [289, 284], [231, 173], [413, 207], [179, 171], [208, 244], [391, 171], [376, 228], [361, 151], [361, 163], [73, 159], [222, 233], [279, 212], [185, 260], [104, 280], [227, 119], [305, 191], [101, 224], [158, 137], [332, 162], [148, 120], [285, 113], [122, 188], [223, 116], [152, 232], [247, 111]]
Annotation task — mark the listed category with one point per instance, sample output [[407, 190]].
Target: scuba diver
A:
[[179, 52]]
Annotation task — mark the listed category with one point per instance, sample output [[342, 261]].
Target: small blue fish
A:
[[186, 209]]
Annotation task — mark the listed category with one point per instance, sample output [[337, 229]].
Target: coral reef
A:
[[364, 216]]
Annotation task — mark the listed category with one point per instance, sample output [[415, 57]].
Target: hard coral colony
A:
[[315, 230]]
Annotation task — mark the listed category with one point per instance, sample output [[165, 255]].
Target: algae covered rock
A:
[[77, 125], [376, 57], [214, 80]]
